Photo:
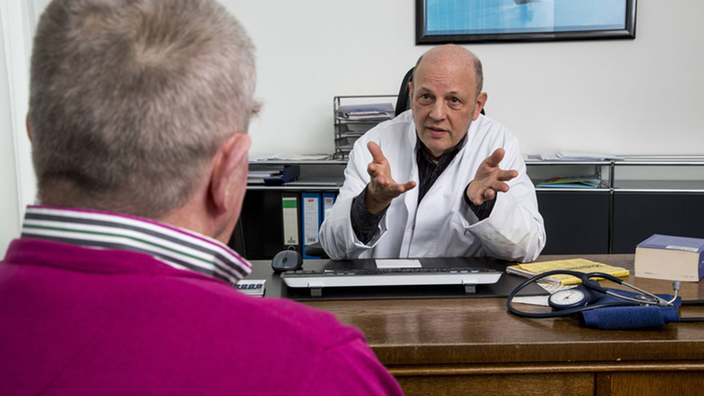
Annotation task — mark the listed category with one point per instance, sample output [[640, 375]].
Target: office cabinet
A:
[[576, 222], [262, 217], [657, 195], [640, 214], [262, 224]]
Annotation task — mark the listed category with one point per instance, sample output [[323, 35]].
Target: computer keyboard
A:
[[390, 277]]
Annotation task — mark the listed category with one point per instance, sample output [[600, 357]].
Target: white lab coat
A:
[[442, 225]]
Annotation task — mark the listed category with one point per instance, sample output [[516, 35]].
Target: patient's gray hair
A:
[[130, 99]]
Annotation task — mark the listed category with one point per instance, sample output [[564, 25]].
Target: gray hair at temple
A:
[[130, 99]]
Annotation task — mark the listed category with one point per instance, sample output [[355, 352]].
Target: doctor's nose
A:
[[438, 112]]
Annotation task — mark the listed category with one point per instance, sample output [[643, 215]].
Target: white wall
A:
[[641, 96], [622, 97], [17, 21], [9, 203]]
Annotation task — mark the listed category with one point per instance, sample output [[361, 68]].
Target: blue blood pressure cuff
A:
[[630, 317]]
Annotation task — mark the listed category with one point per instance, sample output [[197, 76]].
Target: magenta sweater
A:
[[79, 321]]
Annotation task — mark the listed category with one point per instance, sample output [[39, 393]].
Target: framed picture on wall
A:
[[485, 21]]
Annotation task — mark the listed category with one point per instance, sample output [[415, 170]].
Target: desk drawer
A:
[[650, 383], [498, 384]]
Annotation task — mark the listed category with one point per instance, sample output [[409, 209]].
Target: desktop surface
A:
[[474, 346]]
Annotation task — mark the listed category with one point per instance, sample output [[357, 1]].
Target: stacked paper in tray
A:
[[575, 156], [590, 181], [366, 112], [288, 157]]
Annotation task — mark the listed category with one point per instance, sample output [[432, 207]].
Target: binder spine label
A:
[[290, 213], [311, 219]]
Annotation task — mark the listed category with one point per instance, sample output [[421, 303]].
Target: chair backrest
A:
[[403, 102], [237, 239]]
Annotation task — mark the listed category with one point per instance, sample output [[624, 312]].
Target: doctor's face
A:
[[445, 102]]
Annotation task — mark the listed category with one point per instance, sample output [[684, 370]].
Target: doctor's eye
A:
[[424, 98], [455, 102]]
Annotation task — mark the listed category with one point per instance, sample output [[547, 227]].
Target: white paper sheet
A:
[[398, 263]]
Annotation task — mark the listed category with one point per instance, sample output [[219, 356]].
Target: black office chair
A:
[[316, 250], [403, 102]]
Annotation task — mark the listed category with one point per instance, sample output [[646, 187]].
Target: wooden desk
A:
[[475, 347]]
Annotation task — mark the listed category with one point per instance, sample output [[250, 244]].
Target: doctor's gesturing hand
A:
[[382, 188], [489, 179]]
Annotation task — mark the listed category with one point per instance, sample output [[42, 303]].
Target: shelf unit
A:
[[322, 175], [348, 131], [538, 170], [689, 175], [608, 173], [632, 203], [656, 194]]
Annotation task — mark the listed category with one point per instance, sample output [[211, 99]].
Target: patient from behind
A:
[[122, 282]]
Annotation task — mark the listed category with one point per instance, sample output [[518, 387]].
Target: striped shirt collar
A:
[[176, 247]]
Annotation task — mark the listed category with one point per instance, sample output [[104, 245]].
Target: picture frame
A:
[[493, 21]]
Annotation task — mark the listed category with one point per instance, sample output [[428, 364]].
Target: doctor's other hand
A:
[[382, 188], [489, 179]]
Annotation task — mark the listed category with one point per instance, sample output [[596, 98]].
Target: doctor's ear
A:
[[29, 128], [479, 104]]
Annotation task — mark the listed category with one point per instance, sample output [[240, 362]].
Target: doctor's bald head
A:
[[457, 56]]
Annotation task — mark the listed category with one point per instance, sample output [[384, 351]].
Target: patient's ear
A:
[[230, 159]]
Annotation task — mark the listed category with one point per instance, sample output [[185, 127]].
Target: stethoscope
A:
[[586, 295]]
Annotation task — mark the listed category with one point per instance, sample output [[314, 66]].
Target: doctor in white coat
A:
[[466, 203]]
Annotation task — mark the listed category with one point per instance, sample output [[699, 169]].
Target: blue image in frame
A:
[[440, 21]]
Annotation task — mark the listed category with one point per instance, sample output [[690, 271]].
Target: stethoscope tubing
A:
[[586, 279], [593, 285]]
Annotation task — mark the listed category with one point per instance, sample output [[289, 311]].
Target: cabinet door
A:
[[638, 215], [262, 224], [575, 222]]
